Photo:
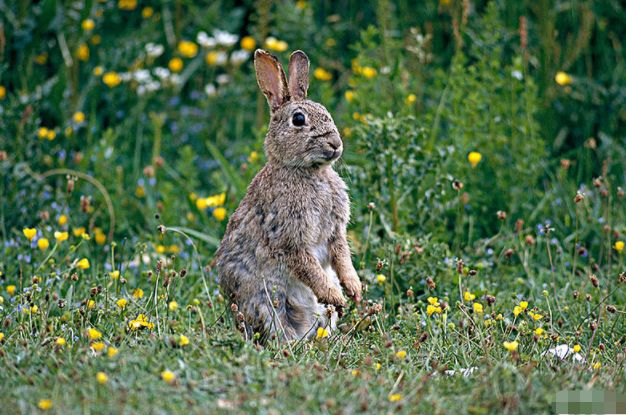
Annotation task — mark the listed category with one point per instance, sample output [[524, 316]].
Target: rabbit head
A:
[[301, 132]]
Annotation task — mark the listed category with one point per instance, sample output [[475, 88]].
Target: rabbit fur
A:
[[284, 257]]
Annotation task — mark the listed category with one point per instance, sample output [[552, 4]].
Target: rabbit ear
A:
[[271, 78], [298, 75]]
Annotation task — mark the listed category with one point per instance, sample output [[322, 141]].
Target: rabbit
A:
[[284, 257]]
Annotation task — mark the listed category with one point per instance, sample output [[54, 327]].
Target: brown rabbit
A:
[[284, 255]]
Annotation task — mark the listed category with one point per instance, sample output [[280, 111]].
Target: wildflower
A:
[[214, 58], [42, 133], [43, 244], [102, 378], [140, 322], [83, 52], [433, 301], [395, 397], [368, 72], [3, 92], [97, 71], [467, 296], [94, 334], [523, 305], [51, 135], [61, 236], [322, 74], [98, 346], [111, 79], [114, 274], [29, 233], [253, 157], [401, 354], [175, 65], [60, 341], [88, 25], [138, 293], [539, 331], [96, 39], [78, 117], [168, 376], [62, 220], [380, 278], [577, 348], [349, 95], [78, 231], [431, 309], [140, 191], [562, 78], [121, 303], [356, 372], [147, 12], [410, 99], [112, 352], [83, 264], [619, 246], [474, 158], [44, 404], [276, 45], [91, 304], [127, 4], [597, 365], [535, 316], [172, 306], [1, 336], [478, 308], [322, 332], [101, 238], [187, 49], [183, 340], [11, 290], [511, 346], [248, 43], [517, 310], [219, 213]]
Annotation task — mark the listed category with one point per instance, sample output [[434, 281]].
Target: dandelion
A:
[[248, 43], [467, 296], [168, 376], [577, 348], [61, 236], [172, 306], [83, 264], [140, 322], [121, 303], [619, 246], [51, 134], [175, 65], [112, 352], [322, 74], [183, 340], [219, 213], [98, 346], [111, 79], [395, 397], [115, 275], [94, 334], [380, 278], [368, 72], [474, 158], [88, 25], [511, 346], [60, 341], [62, 220], [83, 52], [431, 309], [78, 117], [539, 331], [187, 49], [43, 244], [401, 354], [562, 78], [597, 365], [11, 290], [138, 293], [322, 333], [147, 12], [410, 99], [45, 404], [433, 301], [478, 308], [102, 378], [42, 133], [29, 233]]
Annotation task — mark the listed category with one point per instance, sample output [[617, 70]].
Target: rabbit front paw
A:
[[353, 287], [332, 295]]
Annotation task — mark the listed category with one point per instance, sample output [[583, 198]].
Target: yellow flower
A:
[[183, 340], [168, 376], [380, 278], [356, 372], [474, 158], [34, 309], [127, 4], [61, 236], [172, 306], [78, 117], [114, 275], [11, 290], [140, 322], [96, 39], [40, 59], [78, 231], [175, 64], [301, 4], [62, 220], [101, 238], [433, 301], [597, 365], [102, 378], [51, 135], [83, 264], [93, 334], [277, 45], [253, 157], [577, 348], [432, 309], [1, 336], [3, 92], [517, 310], [349, 95], [44, 404], [29, 233], [98, 70], [112, 351], [468, 296], [368, 72], [91, 304], [43, 244], [619, 246], [219, 213], [248, 43], [83, 52], [322, 332], [562, 78], [410, 99], [138, 293], [535, 316], [60, 341], [160, 249], [88, 25], [478, 308], [140, 191], [322, 74], [401, 354], [121, 303], [98, 346], [111, 79], [511, 346], [395, 397], [523, 305], [539, 331], [187, 48], [147, 12], [211, 58], [42, 132]]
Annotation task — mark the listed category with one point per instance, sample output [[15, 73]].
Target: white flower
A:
[[517, 75], [142, 75], [175, 79], [221, 59], [126, 76], [210, 90], [162, 73], [225, 38], [154, 50], [239, 56], [222, 79], [205, 41]]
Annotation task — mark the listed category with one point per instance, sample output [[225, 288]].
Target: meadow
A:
[[485, 154]]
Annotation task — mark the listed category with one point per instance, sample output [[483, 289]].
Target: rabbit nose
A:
[[334, 142]]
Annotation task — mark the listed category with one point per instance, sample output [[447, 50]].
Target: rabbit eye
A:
[[298, 119]]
